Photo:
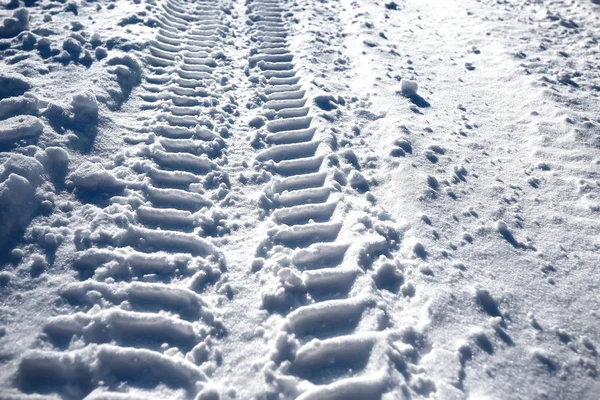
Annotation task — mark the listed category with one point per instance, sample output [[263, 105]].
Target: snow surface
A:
[[270, 199]]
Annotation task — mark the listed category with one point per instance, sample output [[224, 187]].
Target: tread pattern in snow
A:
[[141, 323], [334, 337]]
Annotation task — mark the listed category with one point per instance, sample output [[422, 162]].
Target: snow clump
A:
[[408, 88]]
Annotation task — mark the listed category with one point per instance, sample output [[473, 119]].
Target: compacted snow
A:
[[332, 199]]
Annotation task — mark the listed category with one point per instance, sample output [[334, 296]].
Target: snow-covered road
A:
[[346, 199]]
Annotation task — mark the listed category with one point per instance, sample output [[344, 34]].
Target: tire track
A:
[[139, 313], [336, 340]]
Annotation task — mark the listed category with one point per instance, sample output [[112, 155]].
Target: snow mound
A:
[[21, 105], [56, 163], [13, 85], [85, 107], [56, 157], [93, 177], [17, 196], [325, 102], [81, 116], [128, 71], [16, 24], [408, 88], [27, 167], [23, 126]]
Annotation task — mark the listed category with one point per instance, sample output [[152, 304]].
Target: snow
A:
[[15, 213], [93, 177], [408, 88], [15, 24], [299, 200], [22, 126]]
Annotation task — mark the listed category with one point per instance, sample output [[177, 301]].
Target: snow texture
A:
[[277, 199]]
